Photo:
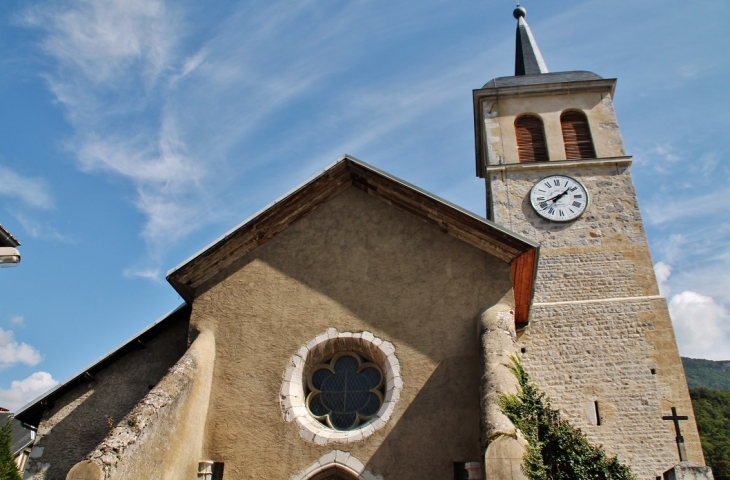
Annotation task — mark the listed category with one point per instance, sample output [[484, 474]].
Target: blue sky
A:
[[135, 132]]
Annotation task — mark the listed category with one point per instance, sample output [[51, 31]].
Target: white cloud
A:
[[663, 271], [12, 352], [143, 272], [24, 391], [701, 325], [17, 320], [33, 192]]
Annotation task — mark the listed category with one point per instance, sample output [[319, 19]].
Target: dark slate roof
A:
[[543, 78], [7, 239], [21, 435], [31, 413], [528, 59]]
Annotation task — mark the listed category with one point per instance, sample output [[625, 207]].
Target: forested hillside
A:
[[709, 384], [707, 373]]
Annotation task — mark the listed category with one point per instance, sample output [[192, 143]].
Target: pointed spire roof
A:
[[528, 59]]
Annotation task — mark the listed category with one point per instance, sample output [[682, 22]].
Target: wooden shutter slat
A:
[[577, 136], [531, 143]]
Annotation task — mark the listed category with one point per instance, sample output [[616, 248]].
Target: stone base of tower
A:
[[689, 471]]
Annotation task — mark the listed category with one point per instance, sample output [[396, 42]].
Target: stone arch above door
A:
[[336, 465], [334, 473]]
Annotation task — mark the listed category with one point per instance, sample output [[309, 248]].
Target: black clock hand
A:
[[558, 196]]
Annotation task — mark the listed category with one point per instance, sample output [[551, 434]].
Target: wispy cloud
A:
[[17, 320], [681, 206], [173, 117], [26, 390], [32, 192], [39, 229]]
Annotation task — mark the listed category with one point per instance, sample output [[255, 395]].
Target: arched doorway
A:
[[334, 473]]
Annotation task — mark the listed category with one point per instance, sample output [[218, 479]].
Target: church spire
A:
[[528, 59]]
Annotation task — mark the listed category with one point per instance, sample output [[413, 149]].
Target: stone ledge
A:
[[559, 164]]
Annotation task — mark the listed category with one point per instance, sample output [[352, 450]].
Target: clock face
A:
[[559, 198]]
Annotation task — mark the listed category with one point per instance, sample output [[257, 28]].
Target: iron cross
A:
[[680, 439]]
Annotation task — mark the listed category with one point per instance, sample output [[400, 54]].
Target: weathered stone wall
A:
[[355, 264], [163, 435], [598, 325], [79, 420], [501, 141], [504, 445]]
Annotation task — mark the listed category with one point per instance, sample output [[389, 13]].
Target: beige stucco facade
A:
[[355, 264]]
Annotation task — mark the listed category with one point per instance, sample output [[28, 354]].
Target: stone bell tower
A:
[[599, 339]]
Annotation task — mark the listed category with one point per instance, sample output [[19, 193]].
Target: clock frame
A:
[[559, 198]]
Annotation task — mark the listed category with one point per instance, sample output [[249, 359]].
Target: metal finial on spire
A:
[[528, 59]]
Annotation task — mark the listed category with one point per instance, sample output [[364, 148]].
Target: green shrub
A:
[[8, 469], [556, 450]]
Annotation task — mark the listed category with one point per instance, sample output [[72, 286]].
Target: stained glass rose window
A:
[[345, 391]]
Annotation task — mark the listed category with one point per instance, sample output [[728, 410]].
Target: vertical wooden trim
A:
[[523, 268]]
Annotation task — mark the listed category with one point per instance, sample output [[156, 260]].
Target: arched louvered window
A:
[[577, 136], [531, 143]]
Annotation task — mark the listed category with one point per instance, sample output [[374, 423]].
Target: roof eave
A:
[[99, 364], [199, 272]]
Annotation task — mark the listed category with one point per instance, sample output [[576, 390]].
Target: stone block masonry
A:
[[600, 340], [604, 365]]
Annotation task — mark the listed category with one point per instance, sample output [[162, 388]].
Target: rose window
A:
[[345, 391]]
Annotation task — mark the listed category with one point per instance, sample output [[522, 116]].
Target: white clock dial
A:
[[559, 198]]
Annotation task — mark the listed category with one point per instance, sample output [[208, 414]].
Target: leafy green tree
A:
[[712, 412], [8, 470], [556, 450]]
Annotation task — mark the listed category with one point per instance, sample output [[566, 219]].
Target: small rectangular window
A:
[[460, 472], [598, 413], [217, 471], [210, 470]]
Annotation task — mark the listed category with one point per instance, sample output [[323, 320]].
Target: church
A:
[[360, 327]]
